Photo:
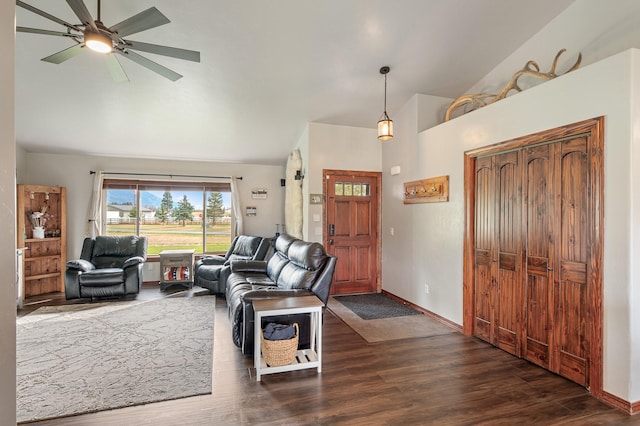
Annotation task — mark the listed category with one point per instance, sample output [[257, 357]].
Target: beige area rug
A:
[[83, 358], [384, 329]]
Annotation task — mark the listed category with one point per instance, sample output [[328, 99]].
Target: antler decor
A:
[[473, 102]]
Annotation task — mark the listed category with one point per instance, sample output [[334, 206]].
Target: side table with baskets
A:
[[273, 356]]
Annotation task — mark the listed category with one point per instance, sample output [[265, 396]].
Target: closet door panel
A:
[[538, 211], [571, 292], [484, 242], [509, 240]]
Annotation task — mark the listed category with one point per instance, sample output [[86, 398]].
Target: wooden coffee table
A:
[[305, 358]]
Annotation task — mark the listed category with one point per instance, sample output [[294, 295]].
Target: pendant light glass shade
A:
[[385, 128], [385, 124]]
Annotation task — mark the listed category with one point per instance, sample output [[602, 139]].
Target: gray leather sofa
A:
[[297, 268], [211, 271], [109, 266]]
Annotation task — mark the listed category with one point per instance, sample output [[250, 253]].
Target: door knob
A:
[[330, 242]]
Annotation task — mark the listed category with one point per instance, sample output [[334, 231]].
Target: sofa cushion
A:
[[102, 277], [103, 262], [310, 256], [283, 242], [246, 246], [292, 276], [275, 265], [115, 246]]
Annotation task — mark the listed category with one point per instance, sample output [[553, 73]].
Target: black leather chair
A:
[[211, 271], [109, 266]]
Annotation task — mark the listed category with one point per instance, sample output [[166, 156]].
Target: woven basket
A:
[[280, 352]]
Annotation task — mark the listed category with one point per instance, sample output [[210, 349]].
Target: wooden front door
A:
[[352, 228], [537, 249]]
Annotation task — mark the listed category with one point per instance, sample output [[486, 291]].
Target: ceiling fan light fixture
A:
[[98, 42], [385, 124]]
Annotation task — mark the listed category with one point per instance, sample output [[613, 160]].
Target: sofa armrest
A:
[[212, 259], [255, 266], [80, 265], [132, 261], [275, 293]]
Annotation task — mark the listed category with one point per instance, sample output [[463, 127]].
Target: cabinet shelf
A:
[[38, 258], [41, 240], [42, 276]]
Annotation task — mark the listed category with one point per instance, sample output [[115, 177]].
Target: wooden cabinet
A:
[[44, 259]]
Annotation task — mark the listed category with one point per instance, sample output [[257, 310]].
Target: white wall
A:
[[72, 171], [404, 270], [597, 28], [602, 89], [7, 216], [333, 147]]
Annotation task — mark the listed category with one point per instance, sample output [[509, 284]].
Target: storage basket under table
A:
[[280, 352]]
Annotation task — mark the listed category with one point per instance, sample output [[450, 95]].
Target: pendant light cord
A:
[[385, 94]]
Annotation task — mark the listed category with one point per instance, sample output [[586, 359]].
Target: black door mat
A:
[[375, 306]]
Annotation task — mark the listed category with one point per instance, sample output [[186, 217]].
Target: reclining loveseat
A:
[[297, 268]]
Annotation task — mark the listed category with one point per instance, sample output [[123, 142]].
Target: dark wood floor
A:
[[443, 380]]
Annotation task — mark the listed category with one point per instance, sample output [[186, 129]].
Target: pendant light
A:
[[385, 124]]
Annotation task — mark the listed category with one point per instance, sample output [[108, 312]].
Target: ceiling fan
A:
[[93, 34]]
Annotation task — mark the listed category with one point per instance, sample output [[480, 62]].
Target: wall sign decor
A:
[[432, 190], [252, 211], [259, 193]]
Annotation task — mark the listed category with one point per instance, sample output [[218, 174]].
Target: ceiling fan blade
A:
[[174, 52], [46, 15], [115, 69], [81, 11], [149, 64], [44, 32], [63, 55], [144, 20]]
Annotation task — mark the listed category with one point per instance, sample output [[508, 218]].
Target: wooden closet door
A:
[[498, 238], [571, 294], [485, 230], [509, 239], [539, 215]]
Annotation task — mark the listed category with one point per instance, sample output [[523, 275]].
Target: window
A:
[[172, 215]]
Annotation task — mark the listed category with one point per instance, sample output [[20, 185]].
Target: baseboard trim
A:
[[630, 408], [427, 312]]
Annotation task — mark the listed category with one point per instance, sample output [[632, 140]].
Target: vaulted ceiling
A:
[[267, 68]]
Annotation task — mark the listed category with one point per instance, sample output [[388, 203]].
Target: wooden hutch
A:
[[44, 258]]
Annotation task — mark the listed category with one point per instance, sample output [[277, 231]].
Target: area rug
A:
[[375, 305], [90, 357], [391, 328]]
